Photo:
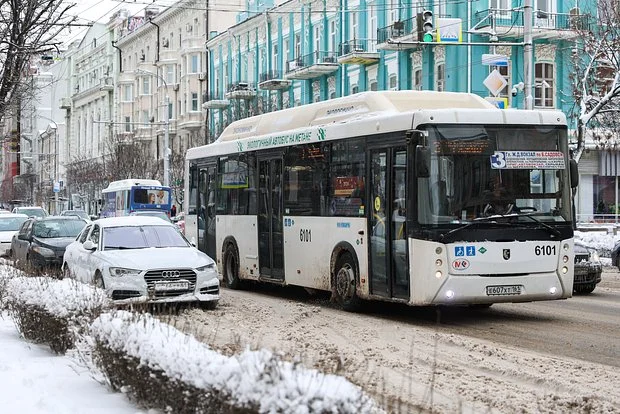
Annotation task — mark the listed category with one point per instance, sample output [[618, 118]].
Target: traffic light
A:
[[425, 26]]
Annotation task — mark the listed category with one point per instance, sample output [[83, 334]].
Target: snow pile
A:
[[252, 379]]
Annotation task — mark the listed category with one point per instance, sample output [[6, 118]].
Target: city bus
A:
[[418, 197], [124, 197]]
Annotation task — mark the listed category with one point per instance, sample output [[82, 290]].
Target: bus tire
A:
[[346, 277], [231, 267]]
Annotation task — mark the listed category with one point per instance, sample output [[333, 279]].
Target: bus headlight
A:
[[564, 270], [565, 259], [565, 247], [552, 290], [450, 294], [438, 274], [438, 262]]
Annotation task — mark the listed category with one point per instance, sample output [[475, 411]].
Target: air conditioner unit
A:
[[175, 87], [329, 59], [541, 14], [165, 43], [188, 27], [202, 76]]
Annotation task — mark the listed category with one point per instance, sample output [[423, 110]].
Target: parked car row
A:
[[134, 258]]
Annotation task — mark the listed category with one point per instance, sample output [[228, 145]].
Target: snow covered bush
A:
[[52, 311], [160, 367]]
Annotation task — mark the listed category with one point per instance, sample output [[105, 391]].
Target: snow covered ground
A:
[[34, 380]]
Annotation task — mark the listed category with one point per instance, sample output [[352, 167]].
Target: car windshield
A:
[[48, 229], [11, 223], [32, 212], [141, 237], [77, 213]]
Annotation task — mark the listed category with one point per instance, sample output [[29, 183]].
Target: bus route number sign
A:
[[528, 160]]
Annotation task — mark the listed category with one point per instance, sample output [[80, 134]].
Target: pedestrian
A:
[[173, 210]]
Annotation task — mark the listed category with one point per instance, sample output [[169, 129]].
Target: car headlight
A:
[[205, 268], [122, 271], [43, 251], [594, 256]]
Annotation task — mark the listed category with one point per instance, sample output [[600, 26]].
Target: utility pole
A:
[[166, 139], [528, 57]]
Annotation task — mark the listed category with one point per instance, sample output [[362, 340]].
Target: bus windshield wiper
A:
[[473, 223], [552, 230]]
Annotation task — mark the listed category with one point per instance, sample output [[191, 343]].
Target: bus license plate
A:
[[166, 286], [504, 290]]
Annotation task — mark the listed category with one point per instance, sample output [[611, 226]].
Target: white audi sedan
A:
[[138, 259]]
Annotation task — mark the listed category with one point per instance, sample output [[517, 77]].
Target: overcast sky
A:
[[100, 10]]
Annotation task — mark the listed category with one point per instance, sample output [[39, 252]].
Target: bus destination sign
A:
[[528, 160]]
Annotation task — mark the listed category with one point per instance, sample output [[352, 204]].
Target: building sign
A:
[[528, 160], [449, 30], [501, 103]]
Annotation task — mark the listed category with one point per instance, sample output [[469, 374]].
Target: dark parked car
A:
[[41, 243], [615, 255], [588, 270]]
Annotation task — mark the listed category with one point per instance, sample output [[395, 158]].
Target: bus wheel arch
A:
[[345, 277], [230, 263]]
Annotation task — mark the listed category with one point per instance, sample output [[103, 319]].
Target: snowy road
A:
[[534, 357]]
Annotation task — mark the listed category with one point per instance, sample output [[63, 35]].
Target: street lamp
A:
[[166, 126]]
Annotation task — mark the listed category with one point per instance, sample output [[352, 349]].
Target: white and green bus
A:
[[423, 198]]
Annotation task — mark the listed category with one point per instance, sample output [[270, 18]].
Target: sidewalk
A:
[[34, 380]]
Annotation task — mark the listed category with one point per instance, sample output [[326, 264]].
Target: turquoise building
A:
[[298, 52]]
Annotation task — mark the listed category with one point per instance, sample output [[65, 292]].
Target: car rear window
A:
[[58, 228], [11, 223]]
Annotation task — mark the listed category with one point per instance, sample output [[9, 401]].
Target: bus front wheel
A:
[[231, 267], [345, 282]]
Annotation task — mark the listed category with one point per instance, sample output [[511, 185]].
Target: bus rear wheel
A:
[[231, 267], [345, 283]]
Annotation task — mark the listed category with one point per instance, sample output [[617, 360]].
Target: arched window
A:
[[440, 77]]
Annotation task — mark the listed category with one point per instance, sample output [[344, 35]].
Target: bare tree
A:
[[596, 76], [27, 28]]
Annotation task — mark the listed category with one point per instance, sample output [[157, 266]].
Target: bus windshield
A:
[[480, 171]]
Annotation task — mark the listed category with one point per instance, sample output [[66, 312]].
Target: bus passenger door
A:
[[206, 211], [270, 226], [389, 274]]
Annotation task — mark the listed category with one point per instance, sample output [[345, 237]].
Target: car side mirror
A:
[[22, 237], [89, 245]]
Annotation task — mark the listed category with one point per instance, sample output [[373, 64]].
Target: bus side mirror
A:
[[574, 173], [422, 162]]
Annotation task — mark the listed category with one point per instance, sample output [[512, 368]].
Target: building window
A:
[[355, 89], [170, 111], [354, 25], [194, 101], [332, 36], [373, 85], [297, 45], [502, 5], [505, 72], [127, 93], [127, 124], [417, 79], [276, 62], [146, 85], [544, 86], [440, 77], [317, 38], [393, 82], [146, 118], [169, 74], [194, 64]]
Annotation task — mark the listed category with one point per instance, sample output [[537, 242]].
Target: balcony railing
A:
[[273, 80], [241, 90], [316, 58], [397, 29], [356, 52], [541, 19]]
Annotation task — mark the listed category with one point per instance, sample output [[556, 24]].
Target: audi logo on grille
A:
[[169, 274]]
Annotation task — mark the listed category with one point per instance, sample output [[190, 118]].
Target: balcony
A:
[[213, 101], [273, 81], [401, 31], [241, 90], [191, 121], [355, 52], [65, 103], [312, 66], [106, 83], [550, 26]]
